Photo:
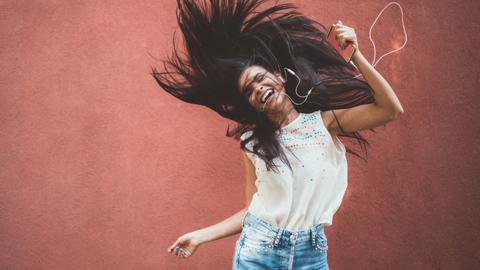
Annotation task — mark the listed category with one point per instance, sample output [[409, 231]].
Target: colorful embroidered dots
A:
[[309, 117], [309, 133]]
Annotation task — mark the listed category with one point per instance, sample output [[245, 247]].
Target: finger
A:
[[181, 252], [343, 42], [343, 36], [173, 245], [341, 28], [183, 255], [346, 37], [350, 38], [175, 250]]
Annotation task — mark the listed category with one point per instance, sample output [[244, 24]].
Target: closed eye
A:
[[258, 78]]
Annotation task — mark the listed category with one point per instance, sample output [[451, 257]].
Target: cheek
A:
[[253, 102], [277, 84]]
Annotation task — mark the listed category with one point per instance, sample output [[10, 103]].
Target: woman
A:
[[292, 95]]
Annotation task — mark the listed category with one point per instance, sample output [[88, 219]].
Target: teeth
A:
[[266, 95]]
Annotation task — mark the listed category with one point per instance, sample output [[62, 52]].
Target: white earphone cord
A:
[[374, 63]]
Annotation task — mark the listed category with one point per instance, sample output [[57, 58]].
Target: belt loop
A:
[[312, 235]]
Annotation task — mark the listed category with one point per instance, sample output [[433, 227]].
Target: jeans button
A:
[[292, 237]]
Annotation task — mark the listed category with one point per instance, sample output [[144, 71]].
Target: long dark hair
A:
[[222, 38]]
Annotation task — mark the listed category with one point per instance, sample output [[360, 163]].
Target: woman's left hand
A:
[[345, 35]]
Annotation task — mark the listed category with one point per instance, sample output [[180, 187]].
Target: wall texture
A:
[[101, 169]]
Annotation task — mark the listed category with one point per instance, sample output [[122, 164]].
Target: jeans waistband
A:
[[300, 235]]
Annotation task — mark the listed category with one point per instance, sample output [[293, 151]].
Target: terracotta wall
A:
[[101, 169]]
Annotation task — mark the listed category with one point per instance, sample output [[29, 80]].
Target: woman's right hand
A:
[[185, 245]]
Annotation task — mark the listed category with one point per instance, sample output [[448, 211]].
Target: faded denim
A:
[[264, 246]]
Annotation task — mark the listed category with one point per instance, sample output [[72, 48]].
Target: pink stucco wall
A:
[[100, 169]]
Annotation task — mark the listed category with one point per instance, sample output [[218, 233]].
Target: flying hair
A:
[[223, 38]]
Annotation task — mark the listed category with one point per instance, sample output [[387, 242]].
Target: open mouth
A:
[[267, 95]]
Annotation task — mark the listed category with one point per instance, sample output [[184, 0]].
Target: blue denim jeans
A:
[[264, 246]]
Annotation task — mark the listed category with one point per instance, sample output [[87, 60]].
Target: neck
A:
[[285, 117]]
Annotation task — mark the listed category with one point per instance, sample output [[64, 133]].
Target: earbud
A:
[[296, 87], [290, 71]]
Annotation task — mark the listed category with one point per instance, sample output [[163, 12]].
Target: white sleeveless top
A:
[[314, 191]]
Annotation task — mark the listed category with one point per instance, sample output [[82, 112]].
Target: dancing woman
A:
[[292, 95]]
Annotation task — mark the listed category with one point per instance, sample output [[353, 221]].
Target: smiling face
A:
[[263, 89]]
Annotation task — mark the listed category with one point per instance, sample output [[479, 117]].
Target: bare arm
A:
[[386, 107], [225, 228], [233, 224]]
